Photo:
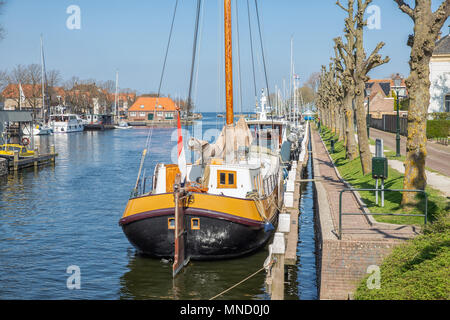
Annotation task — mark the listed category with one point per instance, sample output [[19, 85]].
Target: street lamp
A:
[[368, 92], [398, 83]]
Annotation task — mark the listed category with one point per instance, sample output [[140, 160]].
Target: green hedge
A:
[[438, 129]]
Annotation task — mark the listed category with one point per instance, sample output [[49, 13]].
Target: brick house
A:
[[152, 108], [381, 98]]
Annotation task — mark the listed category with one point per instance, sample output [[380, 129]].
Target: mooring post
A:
[[52, 152], [278, 277], [279, 251], [16, 160], [36, 157]]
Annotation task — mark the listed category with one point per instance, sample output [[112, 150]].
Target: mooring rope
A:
[[241, 282]]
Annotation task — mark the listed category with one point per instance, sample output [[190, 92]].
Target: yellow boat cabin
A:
[[8, 150]]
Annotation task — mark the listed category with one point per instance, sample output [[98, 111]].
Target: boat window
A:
[[171, 223], [226, 179], [231, 179], [195, 224], [223, 178]]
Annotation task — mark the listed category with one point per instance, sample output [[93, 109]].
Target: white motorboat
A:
[[66, 123], [38, 130], [123, 126]]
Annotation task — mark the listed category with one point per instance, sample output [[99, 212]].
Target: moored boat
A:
[[66, 123], [224, 205]]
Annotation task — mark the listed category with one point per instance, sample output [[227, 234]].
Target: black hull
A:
[[217, 238]]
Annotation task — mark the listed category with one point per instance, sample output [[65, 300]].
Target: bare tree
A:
[[2, 30], [53, 78], [427, 25], [363, 66], [313, 81], [346, 65], [3, 80]]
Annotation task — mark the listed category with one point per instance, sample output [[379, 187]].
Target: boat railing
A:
[[270, 183]]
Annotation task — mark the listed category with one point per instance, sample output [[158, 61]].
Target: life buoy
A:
[[25, 141]]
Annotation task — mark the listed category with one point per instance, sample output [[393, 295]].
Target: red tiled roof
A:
[[151, 104], [391, 81]]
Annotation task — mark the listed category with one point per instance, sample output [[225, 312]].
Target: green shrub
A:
[[438, 129], [440, 116]]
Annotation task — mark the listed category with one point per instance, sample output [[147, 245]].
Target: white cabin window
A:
[[133, 114], [142, 114]]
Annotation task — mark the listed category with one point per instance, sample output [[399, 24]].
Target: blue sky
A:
[[130, 36]]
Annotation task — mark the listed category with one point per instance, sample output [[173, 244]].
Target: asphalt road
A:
[[438, 155]]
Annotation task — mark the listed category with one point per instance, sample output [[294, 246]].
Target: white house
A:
[[440, 77]]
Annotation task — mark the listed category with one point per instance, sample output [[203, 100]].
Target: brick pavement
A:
[[354, 227]]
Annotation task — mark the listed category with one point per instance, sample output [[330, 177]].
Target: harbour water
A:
[[67, 215]]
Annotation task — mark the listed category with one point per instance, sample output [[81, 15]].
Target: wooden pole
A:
[[36, 157], [16, 160], [228, 63], [278, 278]]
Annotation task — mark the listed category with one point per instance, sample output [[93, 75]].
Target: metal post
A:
[[382, 193], [398, 127], [376, 192]]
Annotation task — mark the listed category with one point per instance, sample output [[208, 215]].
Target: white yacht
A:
[[66, 123]]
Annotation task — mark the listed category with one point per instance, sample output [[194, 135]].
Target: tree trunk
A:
[[363, 140], [351, 152], [419, 90]]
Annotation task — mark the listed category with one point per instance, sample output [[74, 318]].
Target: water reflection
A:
[[152, 279]]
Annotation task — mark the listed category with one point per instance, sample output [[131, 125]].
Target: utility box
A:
[[332, 145], [379, 168]]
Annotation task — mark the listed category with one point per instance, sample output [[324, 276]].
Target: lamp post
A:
[[398, 83], [368, 92]]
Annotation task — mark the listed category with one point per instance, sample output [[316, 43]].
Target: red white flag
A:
[[181, 154]]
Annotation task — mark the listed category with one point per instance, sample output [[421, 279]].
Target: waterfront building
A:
[[440, 77], [152, 108]]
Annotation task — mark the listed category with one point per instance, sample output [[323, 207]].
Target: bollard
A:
[[36, 157], [332, 145], [16, 160], [52, 152]]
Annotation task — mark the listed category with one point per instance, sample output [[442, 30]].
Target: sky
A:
[[130, 36]]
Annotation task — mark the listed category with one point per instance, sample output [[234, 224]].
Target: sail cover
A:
[[231, 140]]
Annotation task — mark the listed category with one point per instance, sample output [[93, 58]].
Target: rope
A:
[[263, 56], [240, 282], [194, 52], [167, 49], [251, 50]]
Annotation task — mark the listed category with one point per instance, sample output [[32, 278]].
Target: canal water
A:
[[303, 276], [65, 216]]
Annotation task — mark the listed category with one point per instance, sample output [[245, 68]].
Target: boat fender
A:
[[268, 227], [285, 174], [25, 141]]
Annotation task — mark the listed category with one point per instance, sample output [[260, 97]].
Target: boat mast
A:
[[116, 111], [42, 78], [228, 63]]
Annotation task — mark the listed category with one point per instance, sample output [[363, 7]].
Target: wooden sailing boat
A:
[[227, 206]]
